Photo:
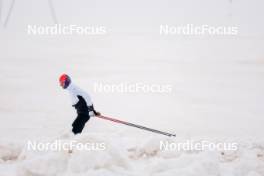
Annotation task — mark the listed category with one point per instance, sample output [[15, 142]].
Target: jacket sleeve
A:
[[87, 98]]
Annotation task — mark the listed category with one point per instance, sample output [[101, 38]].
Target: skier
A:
[[81, 101]]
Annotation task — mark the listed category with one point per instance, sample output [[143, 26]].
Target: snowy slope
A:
[[131, 156], [217, 90]]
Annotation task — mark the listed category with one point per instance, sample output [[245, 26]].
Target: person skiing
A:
[[81, 101]]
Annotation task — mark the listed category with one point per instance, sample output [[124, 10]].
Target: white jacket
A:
[[74, 91]]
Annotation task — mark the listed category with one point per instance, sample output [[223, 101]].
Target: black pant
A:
[[79, 123]]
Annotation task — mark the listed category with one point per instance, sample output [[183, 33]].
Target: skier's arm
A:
[[89, 102], [96, 113]]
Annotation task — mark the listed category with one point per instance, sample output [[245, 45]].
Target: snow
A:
[[217, 90], [143, 157]]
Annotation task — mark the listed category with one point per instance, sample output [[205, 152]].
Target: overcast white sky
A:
[[137, 15]]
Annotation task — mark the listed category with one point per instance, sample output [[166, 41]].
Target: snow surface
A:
[[126, 155], [217, 88]]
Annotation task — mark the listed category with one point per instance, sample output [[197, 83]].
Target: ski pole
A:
[[136, 126]]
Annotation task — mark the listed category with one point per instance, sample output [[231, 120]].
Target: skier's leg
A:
[[79, 123], [75, 124]]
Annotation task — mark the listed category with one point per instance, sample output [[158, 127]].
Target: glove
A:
[[97, 113]]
